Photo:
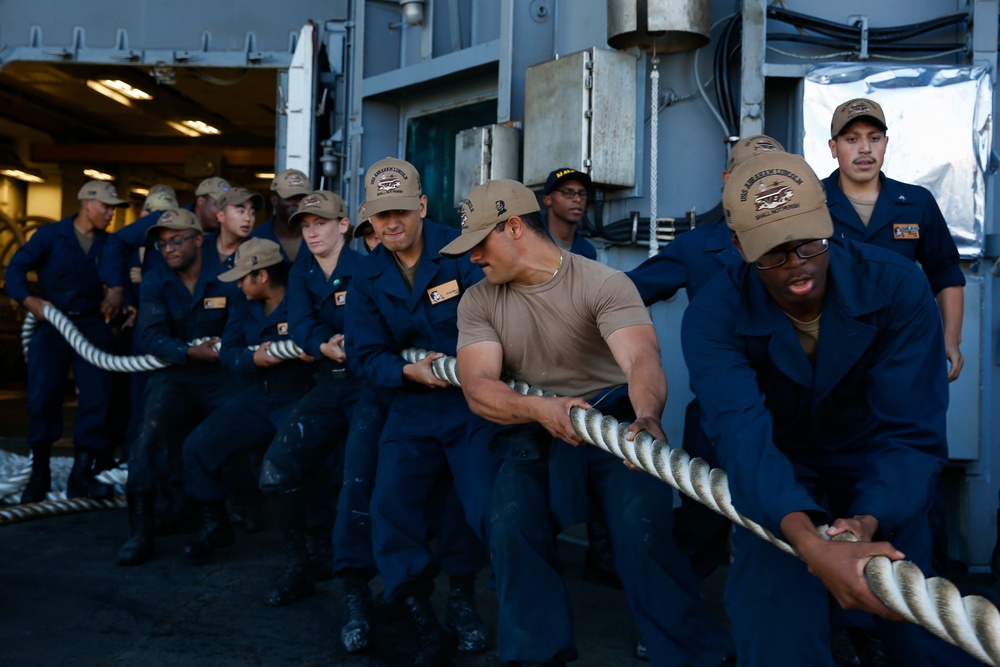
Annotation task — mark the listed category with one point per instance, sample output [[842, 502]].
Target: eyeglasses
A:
[[173, 244], [773, 260], [573, 194]]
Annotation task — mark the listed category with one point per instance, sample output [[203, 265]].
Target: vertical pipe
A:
[[654, 128]]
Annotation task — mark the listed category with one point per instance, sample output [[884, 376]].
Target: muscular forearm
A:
[[495, 401], [647, 387]]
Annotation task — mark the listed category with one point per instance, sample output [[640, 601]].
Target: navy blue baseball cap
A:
[[560, 176]]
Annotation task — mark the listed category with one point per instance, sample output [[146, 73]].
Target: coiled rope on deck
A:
[[972, 622]]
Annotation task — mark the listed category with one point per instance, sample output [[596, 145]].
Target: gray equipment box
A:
[[579, 112], [482, 154]]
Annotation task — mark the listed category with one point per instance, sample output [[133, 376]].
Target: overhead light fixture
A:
[[200, 127], [193, 128], [264, 175], [125, 89], [413, 11], [183, 129], [142, 192], [98, 175], [22, 175], [109, 92]]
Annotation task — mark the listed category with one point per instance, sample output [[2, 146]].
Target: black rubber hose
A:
[[876, 48], [853, 32]]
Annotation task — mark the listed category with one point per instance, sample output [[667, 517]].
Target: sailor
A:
[[819, 364], [250, 418], [65, 256], [867, 206], [574, 327], [235, 212], [287, 190], [424, 436], [182, 301]]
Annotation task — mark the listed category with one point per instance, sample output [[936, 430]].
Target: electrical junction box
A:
[[579, 112], [482, 154]]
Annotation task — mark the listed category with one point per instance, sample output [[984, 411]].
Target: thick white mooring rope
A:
[[971, 622], [283, 349]]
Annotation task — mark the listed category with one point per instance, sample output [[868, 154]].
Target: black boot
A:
[[295, 582], [431, 638], [462, 618], [139, 547], [41, 474], [320, 543], [81, 482], [249, 510], [358, 598], [216, 532]]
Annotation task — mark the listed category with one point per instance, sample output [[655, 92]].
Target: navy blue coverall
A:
[[179, 396], [859, 431], [425, 431], [316, 311], [69, 279], [249, 420], [906, 219]]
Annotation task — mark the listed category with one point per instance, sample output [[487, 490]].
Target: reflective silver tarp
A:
[[940, 132]]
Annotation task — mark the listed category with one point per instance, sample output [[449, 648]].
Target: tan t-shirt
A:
[[553, 335]]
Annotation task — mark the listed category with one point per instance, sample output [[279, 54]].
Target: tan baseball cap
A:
[[160, 198], [212, 187], [362, 221], [391, 185], [486, 206], [851, 110], [236, 196], [322, 203], [102, 191], [253, 254], [175, 218], [744, 149], [774, 198], [291, 183]]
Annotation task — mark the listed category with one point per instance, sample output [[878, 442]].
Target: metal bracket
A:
[[861, 21]]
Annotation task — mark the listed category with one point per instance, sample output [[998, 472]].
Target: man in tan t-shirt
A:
[[579, 329]]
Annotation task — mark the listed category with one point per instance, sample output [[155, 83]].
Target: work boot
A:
[[432, 640], [462, 618], [139, 547], [40, 482], [296, 581], [249, 511], [320, 543], [181, 515], [81, 482], [358, 598], [216, 532]]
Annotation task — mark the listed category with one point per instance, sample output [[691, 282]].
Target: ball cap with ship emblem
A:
[[852, 110], [321, 203], [774, 198], [177, 219], [391, 185], [102, 191], [291, 183], [253, 254], [486, 206], [744, 149]]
